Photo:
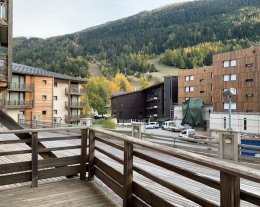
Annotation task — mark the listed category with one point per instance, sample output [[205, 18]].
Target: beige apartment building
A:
[[43, 98]]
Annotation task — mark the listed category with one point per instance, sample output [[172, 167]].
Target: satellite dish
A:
[[230, 92]]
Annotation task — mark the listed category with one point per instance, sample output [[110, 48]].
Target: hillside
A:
[[127, 43]]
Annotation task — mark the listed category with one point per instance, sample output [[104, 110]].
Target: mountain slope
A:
[[174, 26]]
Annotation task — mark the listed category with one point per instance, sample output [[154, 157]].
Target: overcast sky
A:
[[45, 18]]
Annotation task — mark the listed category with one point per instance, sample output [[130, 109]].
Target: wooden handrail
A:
[[227, 167]]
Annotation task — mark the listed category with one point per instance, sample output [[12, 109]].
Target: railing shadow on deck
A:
[[122, 182]]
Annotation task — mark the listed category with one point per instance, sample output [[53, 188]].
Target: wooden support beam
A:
[[91, 169], [34, 159], [83, 159], [128, 174], [229, 190]]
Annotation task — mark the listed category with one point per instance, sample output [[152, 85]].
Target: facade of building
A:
[[237, 69], [38, 96], [152, 103]]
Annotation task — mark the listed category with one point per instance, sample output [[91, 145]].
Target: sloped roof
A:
[[24, 69]]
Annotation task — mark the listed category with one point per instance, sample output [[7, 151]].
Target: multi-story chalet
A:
[[152, 103], [37, 95]]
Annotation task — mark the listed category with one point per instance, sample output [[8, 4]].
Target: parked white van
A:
[[166, 124], [152, 125], [187, 133]]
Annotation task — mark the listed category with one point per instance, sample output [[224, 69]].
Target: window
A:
[[249, 95], [249, 110], [233, 63], [233, 106], [44, 97], [235, 91], [249, 80], [55, 98], [44, 112], [201, 80], [55, 111], [230, 77], [189, 78], [233, 77], [245, 124], [226, 64], [202, 91], [189, 88], [44, 82], [249, 65], [225, 122], [55, 84]]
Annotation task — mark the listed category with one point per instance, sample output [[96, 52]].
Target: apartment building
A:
[[237, 69], [152, 103], [39, 96]]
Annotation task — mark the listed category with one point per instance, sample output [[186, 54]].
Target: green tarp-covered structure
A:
[[192, 112]]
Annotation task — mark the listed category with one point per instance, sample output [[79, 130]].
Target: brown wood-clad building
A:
[[240, 70], [195, 83]]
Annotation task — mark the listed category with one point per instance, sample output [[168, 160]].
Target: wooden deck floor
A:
[[69, 192]]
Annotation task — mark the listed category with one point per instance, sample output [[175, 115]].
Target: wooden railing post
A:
[[128, 174], [229, 190], [91, 155], [34, 146], [83, 158]]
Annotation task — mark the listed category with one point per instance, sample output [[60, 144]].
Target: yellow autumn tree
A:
[[143, 81], [122, 83]]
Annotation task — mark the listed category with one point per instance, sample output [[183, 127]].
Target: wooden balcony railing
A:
[[20, 87], [118, 161], [78, 105], [74, 91], [19, 104], [73, 118]]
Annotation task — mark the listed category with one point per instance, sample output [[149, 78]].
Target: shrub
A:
[[109, 124]]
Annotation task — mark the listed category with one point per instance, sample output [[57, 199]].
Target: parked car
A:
[[187, 133], [152, 125], [166, 124]]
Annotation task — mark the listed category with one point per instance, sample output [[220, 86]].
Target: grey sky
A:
[[45, 18]]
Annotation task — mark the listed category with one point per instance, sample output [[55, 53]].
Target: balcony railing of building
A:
[[74, 118], [20, 87], [16, 104], [78, 105], [3, 67], [152, 107], [100, 148], [74, 91], [152, 98]]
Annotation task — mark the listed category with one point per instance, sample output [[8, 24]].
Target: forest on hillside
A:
[[189, 33]]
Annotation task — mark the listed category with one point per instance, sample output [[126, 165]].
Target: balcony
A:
[[74, 91], [75, 105], [152, 107], [20, 87], [154, 98], [72, 118], [17, 104]]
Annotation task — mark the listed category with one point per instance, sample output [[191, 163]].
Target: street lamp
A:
[[228, 93]]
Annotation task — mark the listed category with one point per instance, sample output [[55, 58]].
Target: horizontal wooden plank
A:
[[184, 172], [15, 152], [109, 143], [59, 148], [249, 159], [114, 174], [250, 197], [149, 197], [60, 129], [109, 155], [116, 187], [183, 192], [57, 172], [15, 167], [59, 138], [28, 141], [137, 202], [59, 162], [15, 178]]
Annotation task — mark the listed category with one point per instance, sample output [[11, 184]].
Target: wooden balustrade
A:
[[127, 152]]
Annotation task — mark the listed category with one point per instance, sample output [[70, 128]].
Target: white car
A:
[[152, 125]]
